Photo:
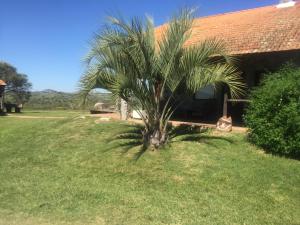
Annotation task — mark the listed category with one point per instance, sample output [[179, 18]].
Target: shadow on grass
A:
[[35, 112], [128, 140], [3, 114], [133, 138], [196, 134]]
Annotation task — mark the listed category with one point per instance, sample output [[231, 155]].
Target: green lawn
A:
[[69, 171], [59, 113]]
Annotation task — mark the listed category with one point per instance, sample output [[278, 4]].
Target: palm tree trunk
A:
[[156, 136]]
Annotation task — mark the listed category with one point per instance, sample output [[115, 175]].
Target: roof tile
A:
[[264, 29]]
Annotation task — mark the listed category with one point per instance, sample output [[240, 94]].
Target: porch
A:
[[208, 104]]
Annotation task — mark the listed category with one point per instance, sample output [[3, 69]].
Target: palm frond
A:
[[127, 59]]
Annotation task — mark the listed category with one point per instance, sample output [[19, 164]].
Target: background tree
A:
[[18, 86], [148, 73]]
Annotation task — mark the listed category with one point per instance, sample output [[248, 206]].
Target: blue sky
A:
[[47, 39]]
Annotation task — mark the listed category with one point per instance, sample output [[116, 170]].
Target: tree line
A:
[[50, 100], [18, 91]]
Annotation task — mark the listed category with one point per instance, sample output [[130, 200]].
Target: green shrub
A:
[[273, 115]]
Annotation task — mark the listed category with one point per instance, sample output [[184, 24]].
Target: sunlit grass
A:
[[47, 113], [71, 171]]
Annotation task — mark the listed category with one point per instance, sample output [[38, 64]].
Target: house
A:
[[2, 88], [262, 39]]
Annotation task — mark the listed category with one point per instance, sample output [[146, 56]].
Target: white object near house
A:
[[136, 115], [285, 4]]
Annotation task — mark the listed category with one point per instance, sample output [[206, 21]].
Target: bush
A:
[[273, 115]]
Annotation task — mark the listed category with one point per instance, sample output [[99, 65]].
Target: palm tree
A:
[[148, 73]]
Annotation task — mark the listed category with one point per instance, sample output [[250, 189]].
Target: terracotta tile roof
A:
[[264, 29], [2, 83]]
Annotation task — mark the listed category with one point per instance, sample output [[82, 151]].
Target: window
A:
[[207, 92]]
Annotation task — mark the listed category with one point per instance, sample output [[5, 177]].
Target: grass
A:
[[70, 171], [58, 113]]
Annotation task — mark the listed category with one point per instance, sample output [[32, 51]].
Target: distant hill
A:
[[51, 99]]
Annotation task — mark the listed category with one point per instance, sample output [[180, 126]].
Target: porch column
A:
[[123, 110], [225, 105]]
